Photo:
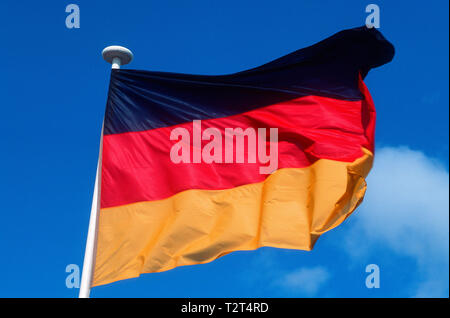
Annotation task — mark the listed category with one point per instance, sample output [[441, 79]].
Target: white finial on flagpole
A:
[[117, 56]]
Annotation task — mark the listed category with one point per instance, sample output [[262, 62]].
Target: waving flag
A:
[[194, 167]]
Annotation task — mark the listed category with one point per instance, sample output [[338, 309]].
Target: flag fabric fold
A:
[[158, 212]]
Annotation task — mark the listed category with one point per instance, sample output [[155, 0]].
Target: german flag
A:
[[194, 167]]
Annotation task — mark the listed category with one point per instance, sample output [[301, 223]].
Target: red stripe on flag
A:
[[137, 165]]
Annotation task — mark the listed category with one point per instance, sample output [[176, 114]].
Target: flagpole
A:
[[117, 56], [91, 242]]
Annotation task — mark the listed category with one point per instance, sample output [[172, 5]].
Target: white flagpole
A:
[[91, 243], [117, 56]]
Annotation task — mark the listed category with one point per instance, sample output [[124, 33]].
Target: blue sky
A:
[[53, 88]]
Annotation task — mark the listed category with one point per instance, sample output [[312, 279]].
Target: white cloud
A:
[[305, 280], [406, 209]]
